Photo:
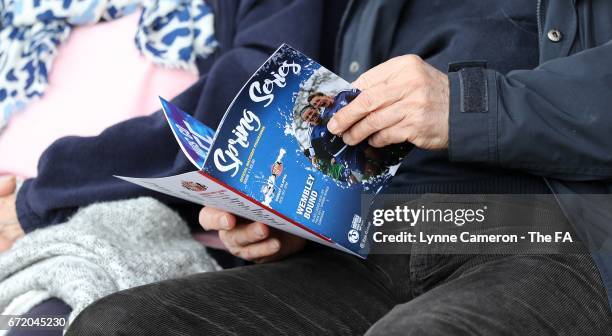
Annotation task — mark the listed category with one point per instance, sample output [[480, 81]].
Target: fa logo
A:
[[194, 186], [353, 236]]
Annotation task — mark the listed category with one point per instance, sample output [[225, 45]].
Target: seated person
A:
[[477, 130]]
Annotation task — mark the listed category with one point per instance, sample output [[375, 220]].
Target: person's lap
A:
[[508, 295], [327, 292], [314, 292]]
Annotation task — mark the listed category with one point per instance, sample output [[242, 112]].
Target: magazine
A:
[[272, 159]]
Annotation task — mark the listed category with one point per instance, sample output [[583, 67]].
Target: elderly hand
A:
[[10, 230], [250, 241], [403, 99]]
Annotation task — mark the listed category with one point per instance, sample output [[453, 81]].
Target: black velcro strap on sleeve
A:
[[473, 86]]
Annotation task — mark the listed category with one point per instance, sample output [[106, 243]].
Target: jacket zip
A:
[[539, 21]]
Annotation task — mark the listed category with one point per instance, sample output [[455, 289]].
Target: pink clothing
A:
[[98, 79]]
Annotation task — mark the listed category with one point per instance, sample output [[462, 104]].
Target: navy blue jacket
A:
[[554, 121], [77, 171]]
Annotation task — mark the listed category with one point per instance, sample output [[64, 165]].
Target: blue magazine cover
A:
[[272, 158], [194, 137]]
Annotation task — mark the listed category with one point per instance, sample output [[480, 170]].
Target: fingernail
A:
[[224, 223], [332, 126], [346, 138], [259, 231], [274, 245]]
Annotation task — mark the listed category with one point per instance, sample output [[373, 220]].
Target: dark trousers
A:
[[51, 307], [324, 292]]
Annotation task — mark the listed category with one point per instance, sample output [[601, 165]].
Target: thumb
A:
[[5, 244], [7, 185]]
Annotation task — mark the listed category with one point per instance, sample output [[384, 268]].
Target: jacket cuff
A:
[[28, 219], [473, 129]]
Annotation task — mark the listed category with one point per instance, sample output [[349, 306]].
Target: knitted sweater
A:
[[103, 248]]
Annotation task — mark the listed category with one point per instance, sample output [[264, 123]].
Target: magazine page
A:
[[198, 188], [195, 140], [274, 147], [194, 137]]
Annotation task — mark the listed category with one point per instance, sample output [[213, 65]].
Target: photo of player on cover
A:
[[317, 102]]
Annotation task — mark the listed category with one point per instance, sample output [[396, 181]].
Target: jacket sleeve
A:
[[78, 171], [554, 121]]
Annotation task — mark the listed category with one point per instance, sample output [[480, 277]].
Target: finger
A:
[[12, 232], [366, 102], [8, 213], [289, 245], [246, 234], [388, 136], [372, 123], [377, 74], [387, 71], [5, 244], [7, 185], [259, 250], [215, 219]]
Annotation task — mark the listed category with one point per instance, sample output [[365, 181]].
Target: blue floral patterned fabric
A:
[[170, 32]]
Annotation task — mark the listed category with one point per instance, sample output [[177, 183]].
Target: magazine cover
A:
[[273, 160]]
